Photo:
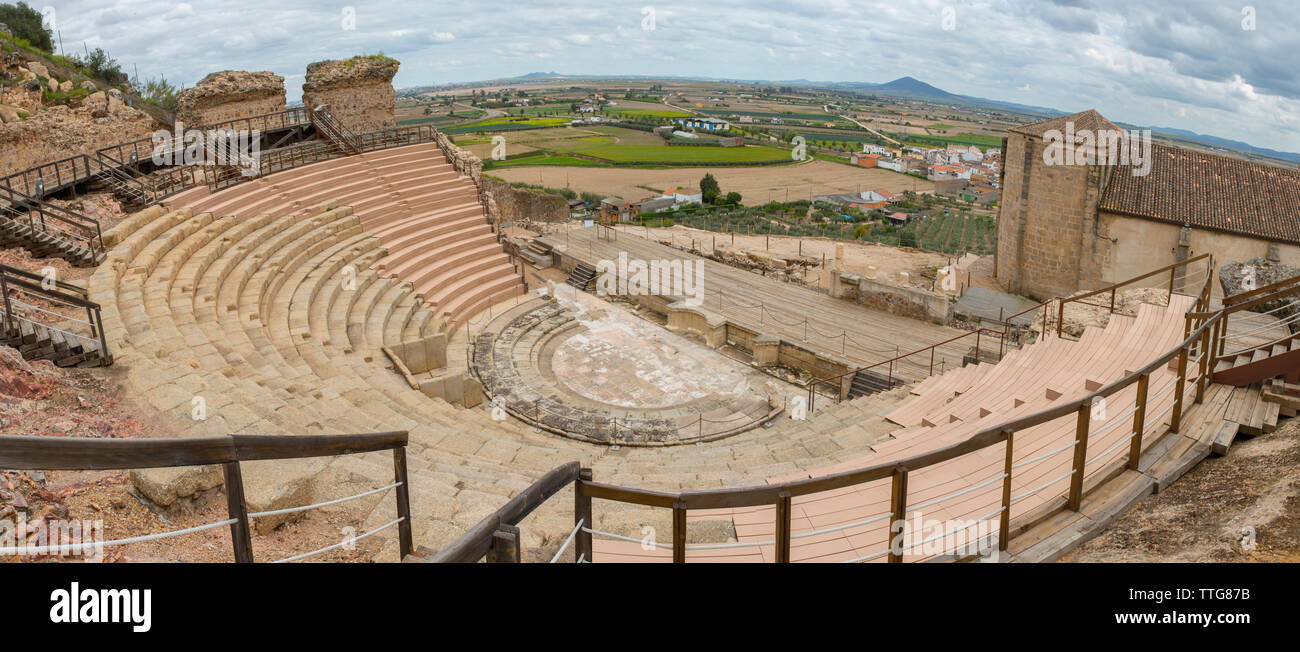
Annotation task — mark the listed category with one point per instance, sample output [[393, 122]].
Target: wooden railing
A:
[[497, 535], [1199, 320], [892, 364], [1248, 301], [90, 454], [1173, 271]]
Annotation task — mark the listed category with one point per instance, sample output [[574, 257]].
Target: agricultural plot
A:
[[612, 145], [947, 233]]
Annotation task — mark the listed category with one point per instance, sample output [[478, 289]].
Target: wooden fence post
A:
[[582, 514], [403, 501], [898, 520], [1004, 523], [1080, 456], [1176, 423], [504, 548], [679, 532], [783, 528], [1139, 423], [240, 537], [1205, 365]]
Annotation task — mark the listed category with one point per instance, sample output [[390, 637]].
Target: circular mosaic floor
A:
[[579, 366]]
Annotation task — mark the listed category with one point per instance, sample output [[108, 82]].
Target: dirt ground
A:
[[858, 256], [888, 260], [757, 185], [1243, 507], [38, 399]]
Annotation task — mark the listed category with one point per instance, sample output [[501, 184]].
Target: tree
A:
[[26, 23], [102, 67], [732, 198], [710, 189]]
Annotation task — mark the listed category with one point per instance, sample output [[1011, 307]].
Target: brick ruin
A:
[[229, 95], [359, 91]]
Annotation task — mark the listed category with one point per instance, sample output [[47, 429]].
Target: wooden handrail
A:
[[474, 544], [93, 454]]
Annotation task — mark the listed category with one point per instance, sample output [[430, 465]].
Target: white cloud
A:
[[1127, 58]]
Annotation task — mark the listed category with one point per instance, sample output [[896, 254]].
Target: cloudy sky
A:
[[1216, 67]]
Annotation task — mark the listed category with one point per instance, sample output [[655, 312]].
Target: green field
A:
[[610, 145], [820, 117], [983, 142], [508, 123], [948, 233], [646, 113]]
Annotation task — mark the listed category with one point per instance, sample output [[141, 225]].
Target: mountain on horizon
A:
[[914, 86]]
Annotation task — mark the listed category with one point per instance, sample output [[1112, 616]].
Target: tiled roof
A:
[[1210, 192], [1090, 120]]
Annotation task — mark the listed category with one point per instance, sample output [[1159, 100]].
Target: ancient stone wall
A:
[[1048, 239], [359, 91], [524, 204], [33, 132], [230, 94]]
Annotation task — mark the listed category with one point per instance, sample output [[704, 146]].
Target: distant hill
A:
[[1225, 143], [915, 87]]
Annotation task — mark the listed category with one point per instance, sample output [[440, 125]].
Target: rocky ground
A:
[[41, 400], [1243, 507], [1079, 316]]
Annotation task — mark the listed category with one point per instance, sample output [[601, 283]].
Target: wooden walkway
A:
[[799, 314]]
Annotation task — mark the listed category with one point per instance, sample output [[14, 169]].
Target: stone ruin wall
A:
[[524, 204], [359, 91], [32, 133], [229, 95]]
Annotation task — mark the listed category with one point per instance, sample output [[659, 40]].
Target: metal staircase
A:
[[47, 230], [340, 136], [131, 191], [25, 326]]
